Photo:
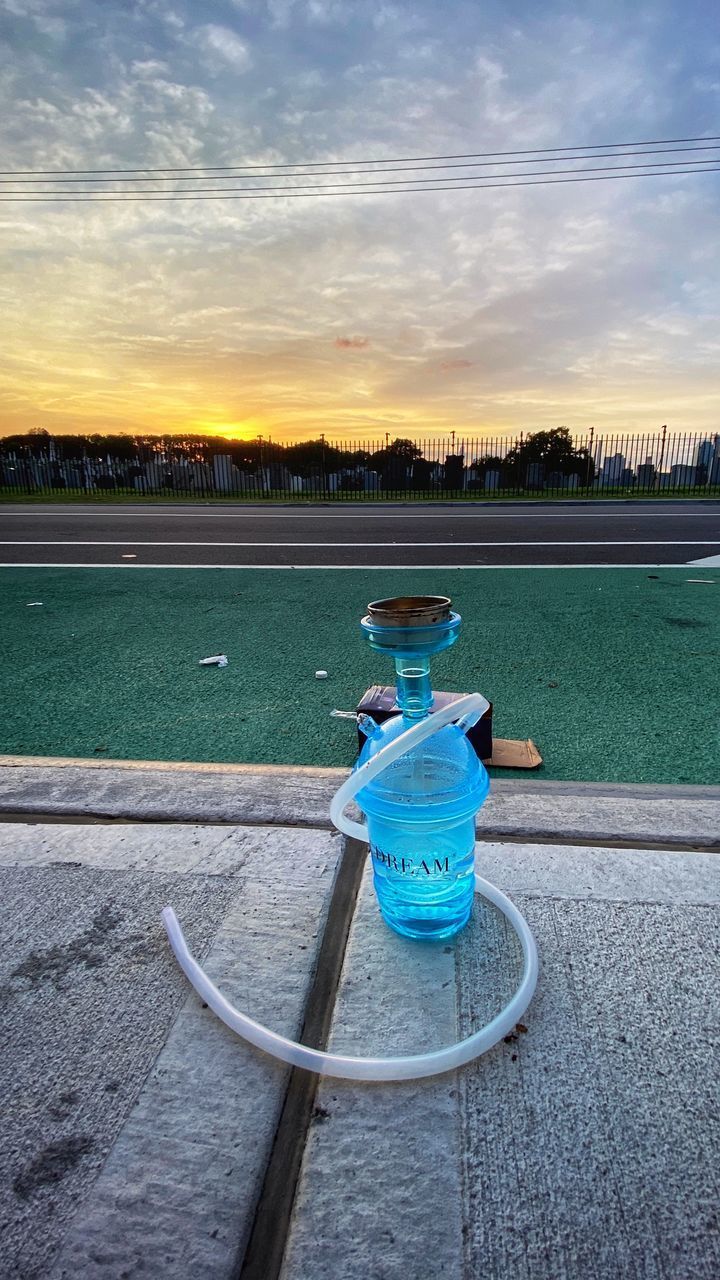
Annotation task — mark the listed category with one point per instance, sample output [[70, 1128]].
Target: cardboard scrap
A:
[[514, 753]]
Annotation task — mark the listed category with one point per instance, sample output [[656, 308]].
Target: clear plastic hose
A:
[[408, 1067], [469, 709]]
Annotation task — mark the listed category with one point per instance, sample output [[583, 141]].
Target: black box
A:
[[379, 702]]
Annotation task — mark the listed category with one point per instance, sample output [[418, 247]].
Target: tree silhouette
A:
[[394, 462], [549, 451]]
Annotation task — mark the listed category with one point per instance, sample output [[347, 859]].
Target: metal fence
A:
[[530, 466]]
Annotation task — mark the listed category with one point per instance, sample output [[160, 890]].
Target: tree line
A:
[[553, 450]]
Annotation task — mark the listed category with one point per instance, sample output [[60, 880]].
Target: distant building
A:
[[279, 476], [646, 474], [682, 476], [612, 469], [454, 474], [223, 469], [199, 477], [707, 459], [704, 453]]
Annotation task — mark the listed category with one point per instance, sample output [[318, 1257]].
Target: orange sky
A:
[[487, 311], [322, 319]]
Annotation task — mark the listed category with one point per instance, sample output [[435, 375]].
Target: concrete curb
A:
[[461, 503], [274, 795]]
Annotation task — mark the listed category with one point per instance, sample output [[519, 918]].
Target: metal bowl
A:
[[409, 611]]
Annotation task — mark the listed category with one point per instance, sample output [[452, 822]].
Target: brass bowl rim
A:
[[409, 611]]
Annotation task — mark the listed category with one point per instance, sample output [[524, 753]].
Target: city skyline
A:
[[484, 311]]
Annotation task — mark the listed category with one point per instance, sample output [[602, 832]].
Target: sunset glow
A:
[[484, 311]]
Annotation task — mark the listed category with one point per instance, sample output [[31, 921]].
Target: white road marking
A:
[[710, 562], [32, 564], [605, 542]]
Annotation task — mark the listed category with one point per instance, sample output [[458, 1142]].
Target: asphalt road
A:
[[361, 536]]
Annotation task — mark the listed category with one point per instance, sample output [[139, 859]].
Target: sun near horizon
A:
[[487, 310]]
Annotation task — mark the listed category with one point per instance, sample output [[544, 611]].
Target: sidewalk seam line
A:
[[262, 1256], [482, 836]]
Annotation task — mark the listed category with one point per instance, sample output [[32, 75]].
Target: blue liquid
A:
[[421, 826], [424, 882]]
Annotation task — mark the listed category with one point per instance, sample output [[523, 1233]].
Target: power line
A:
[[368, 189], [476, 155], [408, 168], [404, 183]]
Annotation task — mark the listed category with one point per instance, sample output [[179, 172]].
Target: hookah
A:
[[420, 784]]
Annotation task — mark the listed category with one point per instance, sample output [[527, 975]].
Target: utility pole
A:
[[263, 490], [662, 455], [590, 459]]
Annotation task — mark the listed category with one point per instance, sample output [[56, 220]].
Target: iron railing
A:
[[453, 467]]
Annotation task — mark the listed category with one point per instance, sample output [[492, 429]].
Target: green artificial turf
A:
[[613, 672]]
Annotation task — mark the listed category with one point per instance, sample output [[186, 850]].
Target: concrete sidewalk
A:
[[142, 1138]]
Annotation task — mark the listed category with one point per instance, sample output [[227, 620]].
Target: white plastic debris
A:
[[34, 604], [217, 660], [344, 715], [321, 675]]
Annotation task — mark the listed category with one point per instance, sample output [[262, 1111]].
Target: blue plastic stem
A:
[[414, 692]]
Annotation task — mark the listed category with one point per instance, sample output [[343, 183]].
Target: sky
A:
[[485, 311]]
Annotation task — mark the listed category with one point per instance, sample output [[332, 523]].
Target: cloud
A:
[[314, 12], [595, 302], [35, 11], [280, 11], [150, 67], [391, 15], [325, 12], [224, 43]]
